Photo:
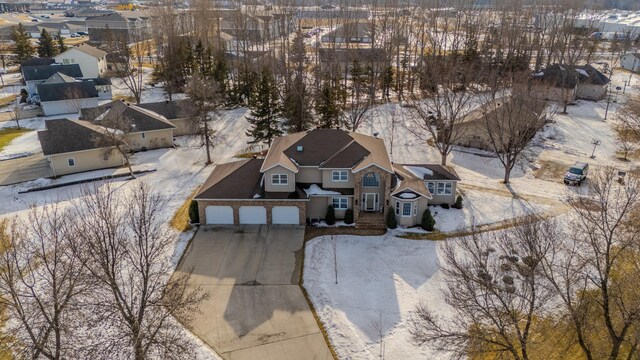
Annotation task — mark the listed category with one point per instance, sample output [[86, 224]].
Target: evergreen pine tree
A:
[[62, 47], [21, 47], [46, 46], [265, 117], [296, 103], [327, 106]]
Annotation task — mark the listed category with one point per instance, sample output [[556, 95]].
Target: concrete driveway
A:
[[24, 169], [256, 309]]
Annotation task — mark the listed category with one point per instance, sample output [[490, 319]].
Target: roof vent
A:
[[299, 148], [375, 134]]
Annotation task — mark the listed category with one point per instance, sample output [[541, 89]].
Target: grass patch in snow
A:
[[180, 220], [125, 98], [6, 100], [7, 135], [248, 155]]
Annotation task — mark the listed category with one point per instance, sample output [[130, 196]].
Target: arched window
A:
[[371, 179]]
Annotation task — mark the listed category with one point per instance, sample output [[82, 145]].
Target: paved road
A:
[[24, 169], [256, 309]]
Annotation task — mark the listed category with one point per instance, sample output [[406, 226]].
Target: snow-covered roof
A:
[[317, 190]]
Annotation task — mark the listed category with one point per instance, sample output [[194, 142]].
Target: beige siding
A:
[[327, 180], [309, 175], [445, 199], [591, 92], [291, 183], [84, 161], [317, 207], [152, 139]]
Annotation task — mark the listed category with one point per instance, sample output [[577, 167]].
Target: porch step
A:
[[371, 221]]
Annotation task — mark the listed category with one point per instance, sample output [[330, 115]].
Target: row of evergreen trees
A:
[[47, 47]]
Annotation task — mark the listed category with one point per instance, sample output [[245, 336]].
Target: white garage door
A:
[[285, 215], [219, 214], [253, 215]]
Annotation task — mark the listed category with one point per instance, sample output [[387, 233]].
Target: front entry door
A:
[[370, 201]]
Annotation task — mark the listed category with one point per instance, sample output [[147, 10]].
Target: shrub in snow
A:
[[428, 222], [330, 218], [194, 216], [458, 203], [391, 220], [348, 216]]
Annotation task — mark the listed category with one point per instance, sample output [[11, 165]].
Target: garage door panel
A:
[[253, 215], [285, 215], [219, 215]]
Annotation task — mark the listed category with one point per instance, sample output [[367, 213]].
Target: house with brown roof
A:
[[144, 128], [304, 173], [73, 146]]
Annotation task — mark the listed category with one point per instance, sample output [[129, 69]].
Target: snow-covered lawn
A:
[[380, 281]]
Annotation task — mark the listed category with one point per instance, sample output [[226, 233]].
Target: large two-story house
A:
[[303, 173]]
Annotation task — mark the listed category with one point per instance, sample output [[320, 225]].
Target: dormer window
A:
[[279, 179]]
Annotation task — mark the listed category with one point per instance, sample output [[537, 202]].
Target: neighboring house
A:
[[103, 87], [86, 12], [343, 60], [565, 83], [92, 61], [472, 130], [177, 113], [34, 75], [67, 96], [256, 25], [145, 129], [311, 15], [630, 62], [350, 33], [129, 27], [420, 185], [71, 146]]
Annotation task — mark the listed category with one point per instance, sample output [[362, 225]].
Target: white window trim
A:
[[444, 188], [340, 201], [410, 209], [72, 160], [339, 173], [434, 186], [376, 176], [280, 178]]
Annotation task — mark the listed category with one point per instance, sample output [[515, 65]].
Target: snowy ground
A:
[[382, 279]]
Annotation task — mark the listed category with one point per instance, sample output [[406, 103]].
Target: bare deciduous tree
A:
[[125, 248], [40, 285], [128, 62], [496, 287], [510, 123]]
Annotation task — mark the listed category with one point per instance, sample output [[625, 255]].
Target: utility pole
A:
[[606, 111]]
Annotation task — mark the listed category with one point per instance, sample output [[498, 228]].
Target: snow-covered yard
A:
[[380, 281]]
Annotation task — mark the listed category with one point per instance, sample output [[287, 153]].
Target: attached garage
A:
[[253, 215], [219, 215], [285, 215]]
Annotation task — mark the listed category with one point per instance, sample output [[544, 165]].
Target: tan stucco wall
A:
[[317, 206], [152, 140], [235, 205], [412, 220], [327, 180], [309, 175], [84, 161], [291, 180]]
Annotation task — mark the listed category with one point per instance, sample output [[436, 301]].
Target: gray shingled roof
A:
[[64, 135], [438, 172], [141, 119], [43, 72], [169, 109], [67, 91], [37, 61]]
